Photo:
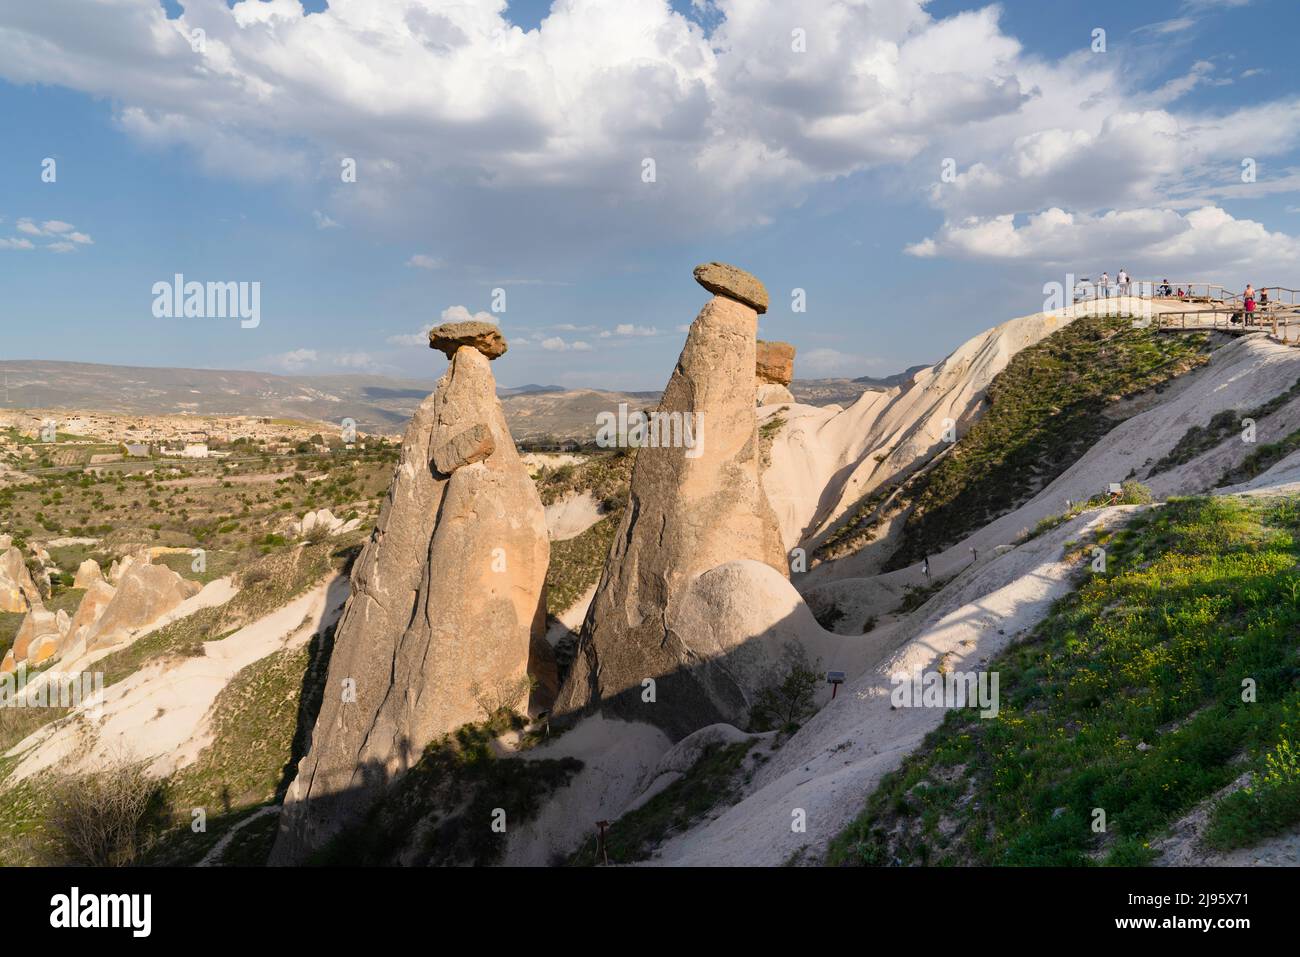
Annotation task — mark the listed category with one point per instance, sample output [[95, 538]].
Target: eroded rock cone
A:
[[17, 589], [143, 595], [689, 510], [447, 600], [88, 572]]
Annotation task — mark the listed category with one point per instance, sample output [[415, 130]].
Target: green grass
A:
[[713, 780], [441, 811], [10, 622], [267, 584], [1127, 698], [1267, 805], [576, 563], [1051, 403], [1222, 425], [605, 475], [1131, 493], [253, 754], [914, 596], [1261, 460], [859, 528], [217, 564]]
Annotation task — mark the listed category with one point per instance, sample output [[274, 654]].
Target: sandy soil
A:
[[571, 516]]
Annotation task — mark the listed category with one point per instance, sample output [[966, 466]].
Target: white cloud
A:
[[450, 314], [456, 116], [294, 361], [420, 338], [451, 110], [1207, 241], [825, 362], [630, 329], [556, 344], [315, 361], [63, 237], [362, 361], [461, 314], [323, 221]]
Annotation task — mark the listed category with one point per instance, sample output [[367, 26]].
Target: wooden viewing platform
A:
[[1202, 307]]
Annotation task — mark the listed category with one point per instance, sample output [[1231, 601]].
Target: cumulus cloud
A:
[[450, 314], [60, 237], [1206, 239], [450, 108], [461, 314], [535, 141], [557, 344], [316, 361]]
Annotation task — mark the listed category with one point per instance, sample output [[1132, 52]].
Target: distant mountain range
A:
[[377, 403]]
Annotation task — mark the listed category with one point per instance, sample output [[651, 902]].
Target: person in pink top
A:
[[1249, 297]]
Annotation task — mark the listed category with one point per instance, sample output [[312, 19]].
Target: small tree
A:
[[102, 819], [505, 695], [787, 705]]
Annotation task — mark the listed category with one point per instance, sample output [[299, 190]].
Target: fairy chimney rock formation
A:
[[88, 572], [447, 601], [18, 591], [689, 510]]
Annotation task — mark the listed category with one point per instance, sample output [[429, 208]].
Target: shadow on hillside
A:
[[396, 817]]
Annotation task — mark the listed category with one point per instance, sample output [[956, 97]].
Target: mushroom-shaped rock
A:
[[690, 510], [774, 362], [724, 280], [483, 336], [446, 607]]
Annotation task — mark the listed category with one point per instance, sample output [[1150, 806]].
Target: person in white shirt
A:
[[1103, 286], [1123, 281]]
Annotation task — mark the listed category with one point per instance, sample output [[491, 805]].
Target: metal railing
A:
[[1201, 305]]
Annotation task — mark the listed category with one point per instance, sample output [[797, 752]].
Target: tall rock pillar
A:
[[689, 510], [447, 600]]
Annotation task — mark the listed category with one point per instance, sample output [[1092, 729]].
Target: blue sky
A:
[[501, 146]]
